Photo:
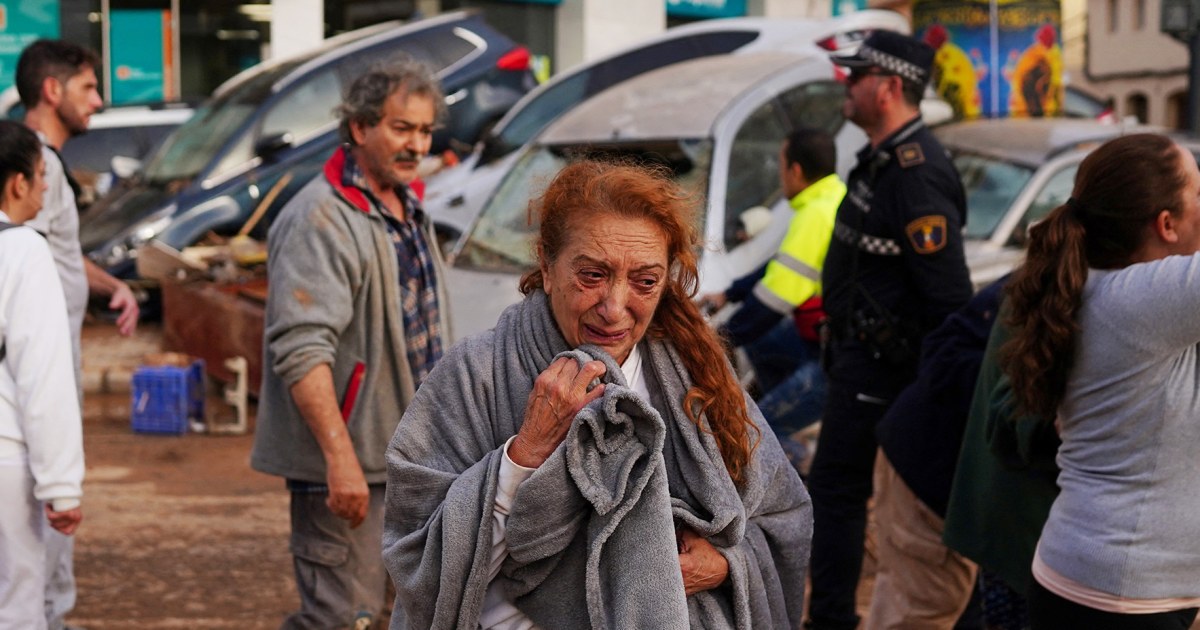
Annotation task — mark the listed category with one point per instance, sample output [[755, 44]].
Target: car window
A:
[[94, 150], [991, 186], [241, 152], [502, 238], [305, 108], [441, 48], [540, 111], [438, 49], [191, 147], [816, 105], [753, 178], [1054, 194]]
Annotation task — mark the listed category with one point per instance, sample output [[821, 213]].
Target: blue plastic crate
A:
[[166, 398]]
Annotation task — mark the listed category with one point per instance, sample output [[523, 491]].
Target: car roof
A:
[[682, 100], [782, 30], [1029, 141], [773, 33], [340, 46]]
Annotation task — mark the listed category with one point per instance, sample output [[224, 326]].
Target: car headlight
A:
[[147, 229], [136, 235], [111, 256]]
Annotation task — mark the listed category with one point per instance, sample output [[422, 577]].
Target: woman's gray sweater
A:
[[1127, 521]]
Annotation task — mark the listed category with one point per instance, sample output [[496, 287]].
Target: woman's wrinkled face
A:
[[607, 281]]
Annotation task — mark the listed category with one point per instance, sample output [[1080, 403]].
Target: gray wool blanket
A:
[[591, 534]]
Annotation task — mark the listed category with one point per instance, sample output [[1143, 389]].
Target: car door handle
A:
[[457, 201]]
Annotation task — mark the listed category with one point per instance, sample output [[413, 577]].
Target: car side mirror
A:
[[486, 147], [492, 147], [269, 145]]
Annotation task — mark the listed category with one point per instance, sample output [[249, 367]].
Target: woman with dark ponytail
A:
[[1107, 340]]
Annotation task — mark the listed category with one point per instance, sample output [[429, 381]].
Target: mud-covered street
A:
[[178, 532]]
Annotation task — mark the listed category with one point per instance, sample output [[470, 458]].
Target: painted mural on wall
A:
[[995, 57]]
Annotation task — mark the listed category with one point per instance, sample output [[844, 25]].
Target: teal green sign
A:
[[21, 23], [706, 8], [141, 54], [842, 7]]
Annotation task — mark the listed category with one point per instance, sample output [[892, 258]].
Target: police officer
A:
[[895, 269]]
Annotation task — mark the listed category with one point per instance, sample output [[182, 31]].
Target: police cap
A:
[[898, 54]]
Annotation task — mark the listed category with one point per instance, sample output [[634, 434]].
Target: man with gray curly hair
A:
[[355, 320]]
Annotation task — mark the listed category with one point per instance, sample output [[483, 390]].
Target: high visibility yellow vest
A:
[[794, 274]]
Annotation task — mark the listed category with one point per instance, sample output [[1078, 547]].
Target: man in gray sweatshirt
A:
[[355, 319]]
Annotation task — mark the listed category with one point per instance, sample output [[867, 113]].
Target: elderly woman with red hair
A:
[[592, 460]]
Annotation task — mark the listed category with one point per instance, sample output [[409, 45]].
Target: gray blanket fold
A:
[[591, 534], [614, 454]]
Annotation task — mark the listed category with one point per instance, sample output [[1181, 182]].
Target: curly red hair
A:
[[590, 187]]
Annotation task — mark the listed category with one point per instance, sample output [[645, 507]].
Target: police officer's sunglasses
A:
[[858, 74]]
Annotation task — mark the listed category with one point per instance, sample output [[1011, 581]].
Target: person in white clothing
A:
[[41, 436], [57, 83]]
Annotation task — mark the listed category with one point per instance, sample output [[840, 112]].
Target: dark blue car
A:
[[277, 118]]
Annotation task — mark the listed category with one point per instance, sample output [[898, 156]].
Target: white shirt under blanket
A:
[[498, 613]]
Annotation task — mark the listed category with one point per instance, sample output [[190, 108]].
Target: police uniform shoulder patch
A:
[[927, 234], [910, 155]]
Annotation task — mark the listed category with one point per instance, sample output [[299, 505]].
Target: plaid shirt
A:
[[418, 284]]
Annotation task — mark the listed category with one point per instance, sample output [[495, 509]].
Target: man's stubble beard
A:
[[73, 125]]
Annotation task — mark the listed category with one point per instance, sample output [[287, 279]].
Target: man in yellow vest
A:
[[781, 302]]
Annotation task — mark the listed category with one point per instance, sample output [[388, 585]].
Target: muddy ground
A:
[[178, 532]]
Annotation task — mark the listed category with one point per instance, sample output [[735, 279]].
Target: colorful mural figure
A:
[[956, 75], [994, 57], [1035, 76]]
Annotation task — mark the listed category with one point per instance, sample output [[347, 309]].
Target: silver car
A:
[[717, 123], [455, 195], [1015, 171]]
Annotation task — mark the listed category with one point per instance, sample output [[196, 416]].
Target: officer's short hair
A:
[[50, 58], [363, 102], [814, 150], [913, 92]]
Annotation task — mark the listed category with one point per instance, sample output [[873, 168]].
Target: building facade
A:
[[172, 49], [1126, 58]]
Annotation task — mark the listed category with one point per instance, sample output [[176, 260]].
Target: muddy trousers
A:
[[339, 571], [919, 582]]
